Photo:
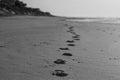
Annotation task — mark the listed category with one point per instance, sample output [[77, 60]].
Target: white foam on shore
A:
[[100, 20]]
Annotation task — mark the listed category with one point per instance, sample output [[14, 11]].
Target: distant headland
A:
[[17, 7]]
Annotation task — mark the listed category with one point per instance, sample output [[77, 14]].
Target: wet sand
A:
[[46, 48]]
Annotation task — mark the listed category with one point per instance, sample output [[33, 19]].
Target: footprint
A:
[[71, 27], [67, 54], [2, 46], [80, 62], [70, 41], [115, 58], [60, 61], [59, 73], [71, 44], [64, 48], [73, 33], [76, 36]]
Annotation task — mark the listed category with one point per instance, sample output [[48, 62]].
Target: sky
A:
[[78, 8]]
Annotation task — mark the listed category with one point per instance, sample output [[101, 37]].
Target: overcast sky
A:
[[78, 8]]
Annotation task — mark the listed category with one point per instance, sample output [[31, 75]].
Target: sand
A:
[[29, 47]]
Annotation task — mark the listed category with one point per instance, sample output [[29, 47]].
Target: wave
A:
[[100, 20]]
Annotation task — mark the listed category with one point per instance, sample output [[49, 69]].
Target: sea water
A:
[[100, 20]]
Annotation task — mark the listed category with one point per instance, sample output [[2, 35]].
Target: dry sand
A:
[[31, 48]]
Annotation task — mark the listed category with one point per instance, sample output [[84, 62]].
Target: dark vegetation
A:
[[17, 7]]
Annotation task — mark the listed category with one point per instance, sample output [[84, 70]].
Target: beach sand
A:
[[32, 48]]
